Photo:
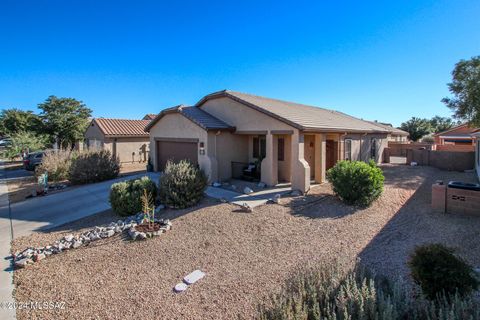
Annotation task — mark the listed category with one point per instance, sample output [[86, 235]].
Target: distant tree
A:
[[440, 124], [65, 119], [465, 88], [25, 141], [14, 120], [416, 128]]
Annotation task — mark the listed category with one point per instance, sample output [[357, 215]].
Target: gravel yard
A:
[[246, 256]]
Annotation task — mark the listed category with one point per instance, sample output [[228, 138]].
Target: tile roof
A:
[[149, 116], [122, 127], [390, 128], [300, 116], [196, 115]]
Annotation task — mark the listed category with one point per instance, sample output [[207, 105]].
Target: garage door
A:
[[176, 151]]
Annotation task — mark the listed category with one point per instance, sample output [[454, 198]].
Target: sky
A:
[[376, 60]]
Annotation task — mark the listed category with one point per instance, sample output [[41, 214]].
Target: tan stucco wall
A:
[[226, 147], [243, 118], [284, 167], [361, 146], [131, 150], [94, 133], [174, 125]]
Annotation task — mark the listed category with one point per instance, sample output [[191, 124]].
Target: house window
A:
[[348, 149], [259, 147], [373, 149], [281, 149], [256, 147]]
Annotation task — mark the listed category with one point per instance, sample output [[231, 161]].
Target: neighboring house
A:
[[126, 139], [477, 153], [149, 116], [458, 135], [395, 135], [297, 143]]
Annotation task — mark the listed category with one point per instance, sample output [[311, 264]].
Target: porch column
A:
[[269, 163], [320, 157], [300, 173]]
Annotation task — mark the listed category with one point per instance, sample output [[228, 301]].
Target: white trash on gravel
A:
[[194, 277], [180, 287]]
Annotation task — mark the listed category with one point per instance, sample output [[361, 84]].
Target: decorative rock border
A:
[[32, 255], [134, 234]]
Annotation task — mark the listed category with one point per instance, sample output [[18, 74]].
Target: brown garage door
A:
[[176, 151]]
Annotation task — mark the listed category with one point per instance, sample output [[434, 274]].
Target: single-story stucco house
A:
[[126, 139], [458, 135], [290, 142], [396, 134]]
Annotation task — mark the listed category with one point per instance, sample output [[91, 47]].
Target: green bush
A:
[[182, 184], [326, 292], [125, 196], [356, 182], [56, 164], [94, 166], [437, 270]]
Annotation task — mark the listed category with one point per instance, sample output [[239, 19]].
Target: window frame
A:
[[349, 143], [373, 148]]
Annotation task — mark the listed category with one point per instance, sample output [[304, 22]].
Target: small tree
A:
[[416, 128], [148, 208], [13, 121], [465, 87], [65, 119], [24, 141]]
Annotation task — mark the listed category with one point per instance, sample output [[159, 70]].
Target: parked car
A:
[[32, 160], [5, 142]]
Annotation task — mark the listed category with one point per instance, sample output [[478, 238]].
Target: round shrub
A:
[[356, 182], [438, 271], [182, 184], [125, 196], [94, 166]]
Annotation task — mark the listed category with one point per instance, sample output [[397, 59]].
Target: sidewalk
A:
[[252, 200], [6, 273]]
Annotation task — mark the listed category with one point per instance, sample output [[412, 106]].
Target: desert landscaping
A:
[[246, 256]]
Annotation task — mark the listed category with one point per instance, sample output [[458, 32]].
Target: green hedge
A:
[[125, 196], [182, 184], [356, 182]]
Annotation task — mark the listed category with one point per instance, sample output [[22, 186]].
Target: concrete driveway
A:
[[7, 175], [41, 214]]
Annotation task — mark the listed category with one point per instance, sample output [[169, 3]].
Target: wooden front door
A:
[[330, 154]]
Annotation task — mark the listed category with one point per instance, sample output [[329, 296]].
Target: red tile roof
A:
[[122, 127]]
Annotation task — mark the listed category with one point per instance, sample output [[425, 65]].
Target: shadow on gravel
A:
[[415, 223]]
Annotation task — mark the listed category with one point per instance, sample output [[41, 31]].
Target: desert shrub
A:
[[182, 184], [326, 292], [438, 270], [93, 166], [56, 164], [126, 196], [356, 182]]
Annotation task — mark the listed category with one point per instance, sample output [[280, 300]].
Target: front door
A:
[[330, 156]]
